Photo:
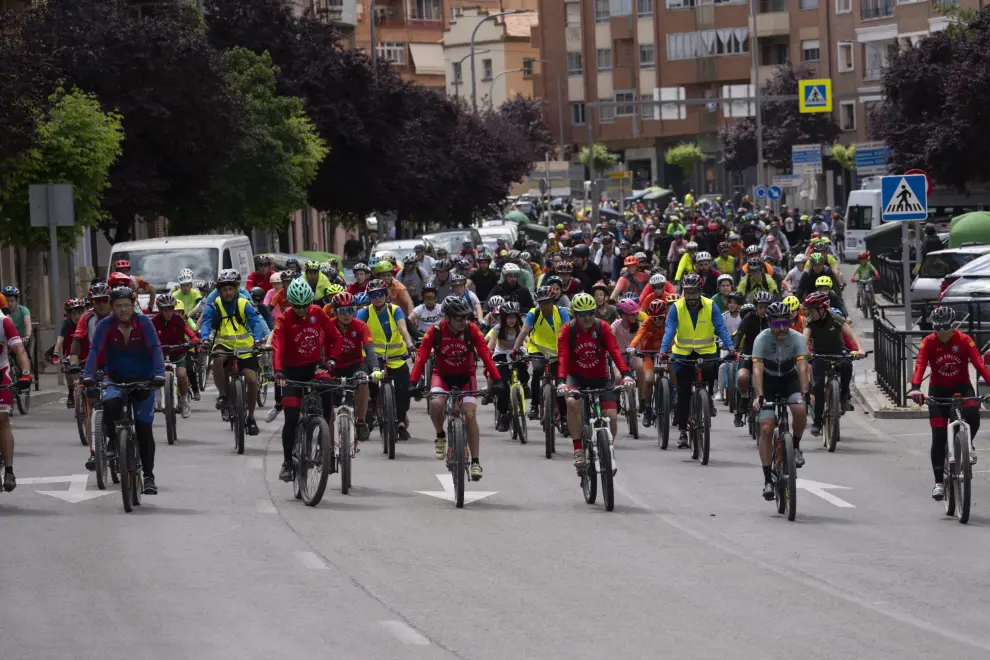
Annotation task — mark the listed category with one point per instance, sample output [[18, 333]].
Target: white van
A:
[[862, 215], [159, 260]]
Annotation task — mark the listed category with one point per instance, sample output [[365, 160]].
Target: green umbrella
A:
[[318, 256], [655, 193], [973, 227], [517, 216]]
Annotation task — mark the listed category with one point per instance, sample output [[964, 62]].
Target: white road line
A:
[[255, 463], [266, 506], [311, 560], [405, 633]]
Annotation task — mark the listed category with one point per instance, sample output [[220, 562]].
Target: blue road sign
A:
[[904, 197], [806, 158], [760, 192], [871, 158], [775, 192]]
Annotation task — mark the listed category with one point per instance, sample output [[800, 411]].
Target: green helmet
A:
[[383, 267], [299, 293], [817, 258]]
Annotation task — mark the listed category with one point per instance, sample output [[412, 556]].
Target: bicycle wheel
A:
[[236, 399], [23, 398], [344, 441], [99, 451], [386, 399], [730, 386], [833, 406], [589, 479], [263, 394], [126, 469], [518, 406], [80, 414], [790, 476], [694, 414], [949, 480], [549, 430], [632, 415], [205, 361], [458, 440], [138, 478], [605, 459], [661, 408], [297, 452], [964, 478], [169, 396], [779, 477], [315, 460], [703, 428], [428, 378]]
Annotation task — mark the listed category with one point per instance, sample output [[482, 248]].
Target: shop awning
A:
[[428, 59]]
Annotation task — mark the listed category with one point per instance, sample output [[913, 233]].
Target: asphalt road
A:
[[692, 563]]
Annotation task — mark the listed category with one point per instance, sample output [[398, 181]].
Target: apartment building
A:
[[408, 33]]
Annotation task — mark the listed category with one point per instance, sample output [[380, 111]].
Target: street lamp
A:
[[491, 101], [457, 81], [560, 104], [474, 33]]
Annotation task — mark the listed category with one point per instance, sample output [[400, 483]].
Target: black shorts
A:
[[348, 372], [787, 386], [180, 361], [593, 384], [245, 363], [292, 394]]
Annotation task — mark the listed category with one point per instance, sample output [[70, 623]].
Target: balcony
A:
[[773, 19], [425, 12], [872, 10], [389, 14]]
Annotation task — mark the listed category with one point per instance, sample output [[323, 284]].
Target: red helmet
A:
[[631, 261], [343, 299], [122, 264], [819, 300], [119, 279], [74, 303], [713, 226], [657, 308], [817, 234], [864, 255]]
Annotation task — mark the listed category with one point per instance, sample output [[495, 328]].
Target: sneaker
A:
[[440, 447], [149, 485], [70, 401], [713, 409], [847, 406], [938, 492], [285, 474], [682, 440], [737, 419], [527, 394], [195, 396], [768, 491], [502, 425], [798, 458], [252, 426], [272, 414], [579, 463], [110, 451], [816, 429], [487, 398], [91, 463], [221, 402], [403, 434], [184, 408], [533, 414], [721, 396], [363, 432], [476, 471], [647, 418], [9, 481]]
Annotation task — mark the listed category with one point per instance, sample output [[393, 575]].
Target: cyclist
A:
[[510, 289], [428, 314], [501, 340], [239, 326], [258, 297], [491, 318], [459, 285], [185, 292], [455, 344], [387, 323], [732, 318], [604, 309], [397, 292], [20, 315], [568, 285], [756, 279], [827, 334], [303, 339], [865, 271], [824, 284], [949, 352], [317, 281], [780, 354], [82, 339], [725, 262], [357, 354], [686, 263], [539, 334], [172, 329], [658, 287], [560, 299], [74, 309], [797, 314], [792, 280], [484, 278], [10, 342], [137, 284], [126, 345], [649, 337], [582, 365], [412, 277], [180, 311], [263, 273], [815, 269], [362, 275], [441, 279], [631, 279], [625, 328], [693, 323]]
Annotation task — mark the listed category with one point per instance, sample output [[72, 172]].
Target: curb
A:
[[895, 413]]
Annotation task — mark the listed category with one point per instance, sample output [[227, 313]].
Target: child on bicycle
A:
[[865, 271], [648, 338], [501, 339]]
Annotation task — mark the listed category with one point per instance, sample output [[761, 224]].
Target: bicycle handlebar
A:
[[456, 393], [316, 383], [595, 392], [237, 352], [949, 400], [699, 361], [176, 347], [838, 357], [137, 385]]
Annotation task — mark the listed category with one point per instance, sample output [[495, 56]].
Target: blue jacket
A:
[[139, 359], [254, 321]]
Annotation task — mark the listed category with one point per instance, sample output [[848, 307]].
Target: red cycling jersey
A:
[[454, 356], [588, 359], [175, 331], [300, 342], [84, 333], [950, 362], [354, 337]]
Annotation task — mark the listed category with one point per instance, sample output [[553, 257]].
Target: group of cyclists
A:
[[600, 306]]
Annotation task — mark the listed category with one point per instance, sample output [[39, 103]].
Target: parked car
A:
[[399, 249], [452, 240], [937, 265], [975, 269], [970, 298], [493, 230]]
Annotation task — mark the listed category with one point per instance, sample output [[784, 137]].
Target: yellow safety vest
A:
[[543, 338], [230, 331], [698, 338], [394, 348]]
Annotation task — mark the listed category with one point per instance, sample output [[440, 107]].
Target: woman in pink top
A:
[[276, 280]]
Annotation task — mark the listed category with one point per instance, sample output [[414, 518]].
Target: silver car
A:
[[940, 264]]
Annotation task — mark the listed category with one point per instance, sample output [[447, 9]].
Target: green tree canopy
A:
[[603, 159], [685, 156]]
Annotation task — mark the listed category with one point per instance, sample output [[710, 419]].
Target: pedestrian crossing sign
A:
[[904, 197], [815, 95]]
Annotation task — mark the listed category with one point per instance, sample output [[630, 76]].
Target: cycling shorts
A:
[[787, 385], [609, 400], [6, 396], [441, 384]]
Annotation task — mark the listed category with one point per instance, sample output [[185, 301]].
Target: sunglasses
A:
[[777, 325], [376, 295], [300, 307], [345, 310], [584, 314], [460, 319]]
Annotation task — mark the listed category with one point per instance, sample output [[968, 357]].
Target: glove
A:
[[377, 375], [917, 396], [627, 383], [735, 356], [416, 392], [280, 378], [56, 358], [630, 351], [24, 382], [498, 385], [662, 357], [158, 381]]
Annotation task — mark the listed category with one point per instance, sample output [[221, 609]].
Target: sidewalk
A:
[[50, 392]]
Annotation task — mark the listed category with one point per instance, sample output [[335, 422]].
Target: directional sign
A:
[[815, 95], [774, 192], [77, 487], [821, 490], [806, 158], [904, 197], [789, 180], [871, 158], [447, 482], [760, 192]]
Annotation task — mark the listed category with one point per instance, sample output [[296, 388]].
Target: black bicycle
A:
[[128, 454], [312, 456], [170, 392], [388, 425], [596, 441], [783, 466], [458, 461], [700, 414], [661, 398], [548, 408], [833, 395], [21, 397], [236, 409], [958, 474]]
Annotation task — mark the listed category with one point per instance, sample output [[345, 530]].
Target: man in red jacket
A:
[[455, 343], [262, 276], [173, 330], [581, 364]]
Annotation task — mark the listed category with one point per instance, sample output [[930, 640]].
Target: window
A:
[[456, 12], [574, 67], [876, 59], [625, 96], [604, 59], [810, 51], [425, 10], [577, 113], [527, 67], [621, 7], [859, 217], [843, 6], [602, 13], [680, 4], [392, 52], [647, 56], [573, 14], [644, 8], [870, 9], [650, 112], [847, 115], [606, 114], [707, 43], [457, 72], [809, 4], [845, 55], [486, 67]]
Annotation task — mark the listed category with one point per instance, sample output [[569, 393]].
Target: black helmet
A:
[[257, 293], [778, 310], [942, 318], [455, 306], [122, 293], [99, 290], [544, 293], [509, 308], [443, 264], [581, 251], [691, 280], [929, 228]]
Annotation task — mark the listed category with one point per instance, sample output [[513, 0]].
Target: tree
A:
[[844, 156], [22, 88], [603, 159], [169, 84], [685, 156], [75, 142], [739, 144], [269, 172], [526, 115]]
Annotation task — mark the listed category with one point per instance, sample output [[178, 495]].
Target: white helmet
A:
[[510, 269], [800, 259], [726, 277], [185, 276], [657, 280], [276, 277], [692, 245], [702, 256]]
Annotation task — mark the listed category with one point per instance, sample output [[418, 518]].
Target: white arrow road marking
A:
[[820, 489], [447, 482], [77, 488]]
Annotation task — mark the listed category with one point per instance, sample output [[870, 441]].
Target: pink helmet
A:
[[627, 306]]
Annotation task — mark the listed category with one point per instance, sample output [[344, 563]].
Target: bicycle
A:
[[265, 375], [958, 474], [344, 428], [864, 297], [170, 392], [833, 396], [517, 402], [21, 397], [783, 467], [312, 459], [661, 398], [752, 418], [596, 441], [457, 447], [128, 456], [700, 413], [548, 407], [385, 410], [80, 403], [204, 366], [236, 410]]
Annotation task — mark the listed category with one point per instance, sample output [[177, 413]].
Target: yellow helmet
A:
[[583, 302], [179, 307], [824, 280], [334, 289], [792, 303]]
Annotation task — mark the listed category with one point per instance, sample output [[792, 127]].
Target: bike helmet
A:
[[11, 291], [122, 264], [691, 245], [383, 268], [514, 254], [863, 255], [464, 264], [74, 303], [702, 256], [746, 309], [209, 285], [583, 302], [121, 293], [328, 270], [657, 308], [630, 261], [942, 318], [725, 278], [544, 293], [510, 269], [817, 258], [275, 277], [564, 268], [565, 252], [165, 300], [819, 300], [755, 264], [455, 306], [495, 302], [600, 286], [343, 299], [361, 299], [333, 263], [657, 281], [738, 297], [642, 258], [442, 264], [509, 308], [361, 268], [690, 281], [114, 280], [764, 298], [257, 294], [312, 265], [375, 286], [185, 276], [752, 250], [800, 259], [458, 280], [442, 252], [627, 306], [287, 276], [262, 259], [671, 299], [581, 251], [409, 260], [778, 310], [553, 279], [334, 289], [824, 280], [299, 293], [792, 303], [228, 276], [292, 261]]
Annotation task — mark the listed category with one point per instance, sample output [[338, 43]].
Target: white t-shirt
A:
[[428, 317], [731, 322], [794, 278]]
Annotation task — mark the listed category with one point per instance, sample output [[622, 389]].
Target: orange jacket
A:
[[649, 337]]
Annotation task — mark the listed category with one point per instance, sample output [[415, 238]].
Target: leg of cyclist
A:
[[113, 410], [502, 397], [194, 382], [251, 379], [574, 406], [361, 397], [938, 418], [643, 368], [6, 433], [292, 399], [183, 376], [766, 448], [92, 399], [536, 386], [818, 368], [522, 372], [437, 405], [685, 377], [220, 381], [742, 386], [845, 377], [400, 385], [710, 372], [470, 409], [610, 408]]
